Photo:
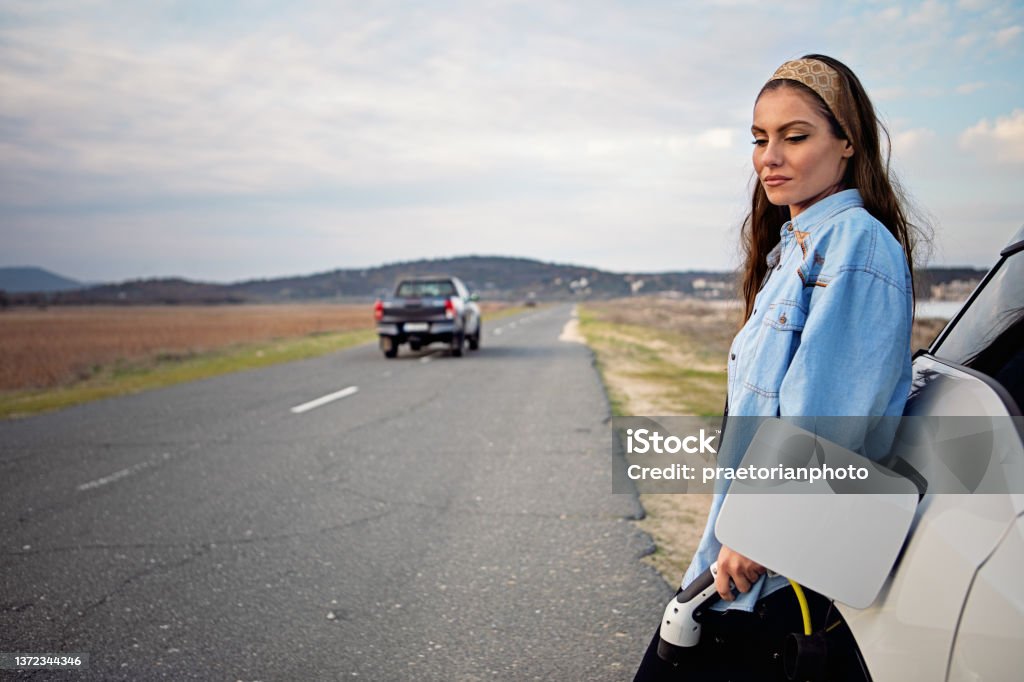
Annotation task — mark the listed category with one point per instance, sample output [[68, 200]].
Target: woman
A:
[[828, 295]]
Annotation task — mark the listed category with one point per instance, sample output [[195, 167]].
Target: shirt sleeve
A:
[[854, 354]]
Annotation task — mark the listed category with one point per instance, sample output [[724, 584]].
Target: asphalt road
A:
[[449, 519]]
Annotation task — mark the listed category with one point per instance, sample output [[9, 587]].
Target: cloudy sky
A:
[[223, 141]]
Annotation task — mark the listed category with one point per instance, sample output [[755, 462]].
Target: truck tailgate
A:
[[413, 309]]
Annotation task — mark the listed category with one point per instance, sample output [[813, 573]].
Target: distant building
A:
[[957, 290], [710, 288]]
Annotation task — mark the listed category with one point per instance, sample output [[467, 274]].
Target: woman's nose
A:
[[772, 154]]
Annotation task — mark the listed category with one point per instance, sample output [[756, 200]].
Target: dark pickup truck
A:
[[425, 310]]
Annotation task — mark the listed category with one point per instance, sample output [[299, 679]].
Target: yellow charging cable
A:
[[805, 610]]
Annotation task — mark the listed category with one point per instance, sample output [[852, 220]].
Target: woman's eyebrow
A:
[[757, 129]]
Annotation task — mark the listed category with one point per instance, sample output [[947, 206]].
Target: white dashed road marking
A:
[[329, 398], [118, 475]]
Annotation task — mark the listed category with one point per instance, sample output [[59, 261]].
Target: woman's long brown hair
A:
[[866, 171]]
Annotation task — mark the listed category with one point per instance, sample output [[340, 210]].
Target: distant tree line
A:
[[494, 278]]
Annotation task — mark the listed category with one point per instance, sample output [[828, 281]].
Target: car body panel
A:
[[909, 632], [990, 641], [958, 433]]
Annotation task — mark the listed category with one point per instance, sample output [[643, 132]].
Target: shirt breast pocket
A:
[[778, 340]]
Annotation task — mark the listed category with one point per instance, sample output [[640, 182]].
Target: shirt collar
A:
[[822, 210]]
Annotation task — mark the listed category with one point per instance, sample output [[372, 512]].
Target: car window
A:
[[989, 338], [425, 288]]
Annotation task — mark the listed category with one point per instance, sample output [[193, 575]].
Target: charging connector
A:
[[679, 630]]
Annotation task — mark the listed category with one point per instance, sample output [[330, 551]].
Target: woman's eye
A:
[[760, 142], [796, 138]]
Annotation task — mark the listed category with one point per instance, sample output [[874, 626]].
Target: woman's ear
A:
[[848, 150]]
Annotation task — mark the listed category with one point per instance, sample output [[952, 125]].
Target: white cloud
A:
[[928, 13], [969, 88], [716, 138], [906, 142], [1002, 140], [893, 13], [271, 110], [889, 93], [1007, 35], [967, 40], [369, 118]]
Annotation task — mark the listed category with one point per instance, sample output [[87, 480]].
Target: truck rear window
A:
[[425, 289]]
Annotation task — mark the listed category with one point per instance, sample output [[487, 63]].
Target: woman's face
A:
[[796, 157]]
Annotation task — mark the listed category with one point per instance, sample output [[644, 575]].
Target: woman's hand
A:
[[734, 566]]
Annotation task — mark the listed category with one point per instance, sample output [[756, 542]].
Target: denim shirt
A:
[[829, 336]]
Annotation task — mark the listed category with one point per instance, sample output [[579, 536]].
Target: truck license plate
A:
[[416, 326]]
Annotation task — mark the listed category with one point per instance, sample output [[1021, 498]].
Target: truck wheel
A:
[[474, 340], [458, 338], [388, 345]]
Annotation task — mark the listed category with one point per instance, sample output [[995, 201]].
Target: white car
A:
[[946, 601]]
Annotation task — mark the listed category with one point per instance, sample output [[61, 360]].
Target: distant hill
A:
[[944, 276], [23, 279], [494, 277]]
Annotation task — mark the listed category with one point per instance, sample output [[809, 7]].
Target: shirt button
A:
[[782, 318], [789, 229], [732, 356]]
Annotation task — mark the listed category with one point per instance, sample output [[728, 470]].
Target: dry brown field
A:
[[56, 346], [61, 345]]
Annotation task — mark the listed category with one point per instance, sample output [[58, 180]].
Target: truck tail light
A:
[[378, 310], [449, 309]]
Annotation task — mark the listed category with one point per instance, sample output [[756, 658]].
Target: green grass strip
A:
[[680, 389]]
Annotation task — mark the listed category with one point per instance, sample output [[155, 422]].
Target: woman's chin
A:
[[777, 197]]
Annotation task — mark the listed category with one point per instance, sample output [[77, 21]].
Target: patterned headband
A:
[[819, 77]]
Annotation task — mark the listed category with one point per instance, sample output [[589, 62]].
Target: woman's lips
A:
[[775, 180]]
